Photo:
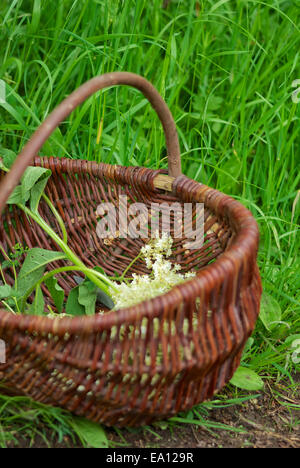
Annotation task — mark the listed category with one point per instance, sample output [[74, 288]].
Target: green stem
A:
[[57, 271], [12, 264], [15, 276], [91, 274], [17, 305], [58, 217], [8, 307], [129, 266], [5, 254], [2, 275]]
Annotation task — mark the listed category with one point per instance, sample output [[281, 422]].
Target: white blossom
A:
[[163, 276]]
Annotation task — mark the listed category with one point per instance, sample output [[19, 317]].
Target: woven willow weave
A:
[[136, 365]]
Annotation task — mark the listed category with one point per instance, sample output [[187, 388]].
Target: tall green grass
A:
[[225, 69]]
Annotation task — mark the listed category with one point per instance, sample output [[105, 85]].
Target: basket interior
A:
[[76, 195]]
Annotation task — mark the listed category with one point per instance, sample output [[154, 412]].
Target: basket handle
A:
[[39, 137]]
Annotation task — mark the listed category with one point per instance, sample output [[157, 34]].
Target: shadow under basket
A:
[[147, 362]]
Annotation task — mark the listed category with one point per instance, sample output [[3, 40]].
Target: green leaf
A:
[[247, 379], [214, 103], [73, 307], [38, 190], [38, 305], [290, 339], [247, 347], [30, 178], [101, 296], [104, 299], [33, 185], [99, 269], [5, 291], [270, 311], [56, 292], [90, 432], [34, 266], [16, 196], [8, 157], [228, 176], [87, 296]]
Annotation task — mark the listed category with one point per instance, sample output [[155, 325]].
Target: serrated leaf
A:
[[73, 307], [57, 293], [247, 379], [270, 311], [92, 433]]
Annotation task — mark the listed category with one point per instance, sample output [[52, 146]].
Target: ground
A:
[[268, 420]]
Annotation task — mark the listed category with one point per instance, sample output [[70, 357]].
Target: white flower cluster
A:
[[164, 275], [156, 248]]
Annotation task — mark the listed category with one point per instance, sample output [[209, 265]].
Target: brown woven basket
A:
[[150, 361]]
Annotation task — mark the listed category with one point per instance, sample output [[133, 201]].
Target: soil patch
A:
[[270, 420]]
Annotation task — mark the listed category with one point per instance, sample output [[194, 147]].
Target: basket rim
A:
[[240, 252]]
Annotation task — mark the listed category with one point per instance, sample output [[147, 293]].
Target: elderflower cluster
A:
[[157, 247], [164, 275]]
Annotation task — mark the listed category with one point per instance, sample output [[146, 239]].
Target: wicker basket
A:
[[150, 361]]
